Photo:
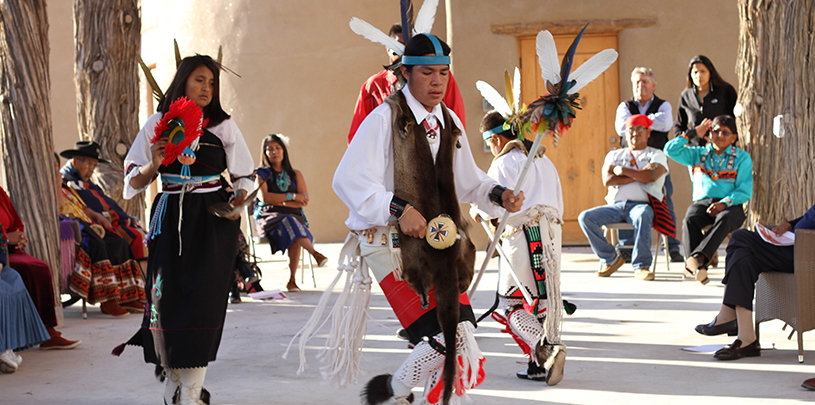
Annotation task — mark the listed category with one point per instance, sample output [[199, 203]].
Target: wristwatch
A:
[[289, 197]]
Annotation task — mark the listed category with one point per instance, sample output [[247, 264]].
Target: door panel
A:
[[581, 149]]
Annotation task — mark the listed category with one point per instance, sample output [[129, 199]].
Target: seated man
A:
[[77, 175], [631, 175], [722, 182]]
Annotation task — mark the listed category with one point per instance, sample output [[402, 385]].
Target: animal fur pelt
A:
[[430, 188], [378, 391]]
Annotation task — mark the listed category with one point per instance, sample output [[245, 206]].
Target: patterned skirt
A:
[[105, 270], [281, 229]]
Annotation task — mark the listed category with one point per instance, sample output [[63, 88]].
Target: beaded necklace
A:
[[282, 180]]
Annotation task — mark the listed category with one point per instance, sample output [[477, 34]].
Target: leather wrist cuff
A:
[[495, 195], [397, 206]]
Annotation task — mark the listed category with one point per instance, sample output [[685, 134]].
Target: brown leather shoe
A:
[[809, 384], [735, 351], [610, 269], [57, 342], [113, 308]]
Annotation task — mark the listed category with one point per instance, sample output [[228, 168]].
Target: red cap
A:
[[638, 119]]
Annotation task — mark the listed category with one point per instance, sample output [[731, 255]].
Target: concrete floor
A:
[[624, 347]]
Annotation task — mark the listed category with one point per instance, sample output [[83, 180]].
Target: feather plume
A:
[[192, 121], [516, 90], [406, 16], [426, 17], [373, 34], [157, 93], [568, 59], [592, 68], [547, 57], [177, 53], [508, 90], [494, 98]]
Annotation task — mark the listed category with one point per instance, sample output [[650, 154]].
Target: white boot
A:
[[8, 364], [172, 380], [192, 383]]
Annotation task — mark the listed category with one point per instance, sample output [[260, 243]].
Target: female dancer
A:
[[279, 213], [192, 253]]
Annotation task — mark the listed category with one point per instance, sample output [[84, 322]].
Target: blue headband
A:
[[495, 131], [438, 59]]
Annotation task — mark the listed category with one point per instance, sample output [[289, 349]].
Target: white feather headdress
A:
[[556, 110], [423, 24], [510, 107]]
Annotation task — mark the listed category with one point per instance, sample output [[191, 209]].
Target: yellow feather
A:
[[510, 96]]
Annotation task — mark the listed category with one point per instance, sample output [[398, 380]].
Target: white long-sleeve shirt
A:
[[541, 185], [662, 119], [364, 177], [239, 160]]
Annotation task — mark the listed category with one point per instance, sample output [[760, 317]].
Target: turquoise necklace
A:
[[282, 180]]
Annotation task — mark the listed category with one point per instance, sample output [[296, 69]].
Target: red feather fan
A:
[[191, 119]]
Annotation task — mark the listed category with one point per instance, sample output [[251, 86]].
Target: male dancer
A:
[[411, 161], [379, 86]]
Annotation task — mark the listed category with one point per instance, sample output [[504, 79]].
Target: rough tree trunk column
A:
[[107, 38], [775, 68], [25, 127]]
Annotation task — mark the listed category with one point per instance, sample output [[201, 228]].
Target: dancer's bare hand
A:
[[413, 223], [511, 202]]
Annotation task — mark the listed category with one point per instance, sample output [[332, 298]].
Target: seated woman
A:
[[105, 271], [35, 273], [21, 326], [748, 255], [722, 182], [279, 213]]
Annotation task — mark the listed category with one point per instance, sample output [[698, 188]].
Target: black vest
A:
[[657, 139]]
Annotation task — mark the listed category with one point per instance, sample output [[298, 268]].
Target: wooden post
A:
[[25, 127], [774, 66], [108, 37]]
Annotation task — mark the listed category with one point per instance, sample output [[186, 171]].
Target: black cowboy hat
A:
[[84, 148]]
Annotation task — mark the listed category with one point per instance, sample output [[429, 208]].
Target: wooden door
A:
[[581, 150]]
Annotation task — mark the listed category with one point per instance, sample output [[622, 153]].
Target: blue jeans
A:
[[626, 236], [637, 213]]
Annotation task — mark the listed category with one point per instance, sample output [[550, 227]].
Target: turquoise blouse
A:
[[715, 176]]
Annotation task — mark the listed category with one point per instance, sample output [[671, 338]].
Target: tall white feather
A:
[[425, 17], [516, 88], [494, 98], [592, 68], [547, 57], [373, 34]]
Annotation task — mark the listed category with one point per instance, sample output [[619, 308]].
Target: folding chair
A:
[[255, 239], [615, 227]]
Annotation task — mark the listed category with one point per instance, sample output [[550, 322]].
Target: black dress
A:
[[189, 288]]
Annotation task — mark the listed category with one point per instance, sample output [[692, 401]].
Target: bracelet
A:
[[397, 206], [495, 195], [405, 211], [289, 197]]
